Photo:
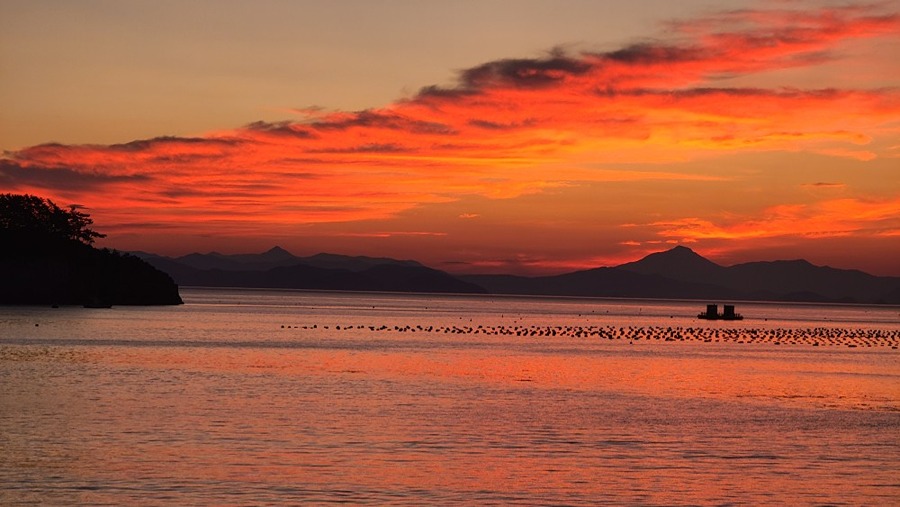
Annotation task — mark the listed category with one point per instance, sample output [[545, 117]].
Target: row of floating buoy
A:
[[816, 336]]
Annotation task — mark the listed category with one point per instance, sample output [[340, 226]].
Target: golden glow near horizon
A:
[[761, 132]]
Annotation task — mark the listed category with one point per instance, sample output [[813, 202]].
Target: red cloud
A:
[[831, 218]]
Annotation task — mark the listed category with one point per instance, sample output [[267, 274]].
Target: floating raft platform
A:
[[712, 313]]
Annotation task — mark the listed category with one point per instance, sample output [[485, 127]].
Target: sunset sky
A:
[[518, 136]]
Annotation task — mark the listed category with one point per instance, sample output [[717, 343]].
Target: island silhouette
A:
[[47, 258]]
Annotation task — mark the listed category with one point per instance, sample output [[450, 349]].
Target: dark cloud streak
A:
[[60, 178]]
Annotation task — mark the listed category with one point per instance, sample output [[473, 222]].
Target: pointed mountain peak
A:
[[277, 250], [680, 263], [679, 252], [274, 254], [675, 250]]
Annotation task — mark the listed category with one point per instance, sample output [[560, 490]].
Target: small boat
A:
[[712, 313]]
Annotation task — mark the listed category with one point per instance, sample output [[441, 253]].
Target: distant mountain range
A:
[[679, 273], [278, 268]]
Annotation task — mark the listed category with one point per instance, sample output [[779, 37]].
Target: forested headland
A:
[[47, 257]]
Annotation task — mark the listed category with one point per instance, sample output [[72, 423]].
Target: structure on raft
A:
[[712, 313]]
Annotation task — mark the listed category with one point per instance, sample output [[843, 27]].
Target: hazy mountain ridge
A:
[[679, 273], [276, 257], [277, 268]]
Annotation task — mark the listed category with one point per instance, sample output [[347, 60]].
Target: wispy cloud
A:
[[825, 184], [391, 234], [830, 218]]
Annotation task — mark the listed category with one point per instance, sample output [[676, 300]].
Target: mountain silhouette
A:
[[785, 280], [681, 273], [678, 273], [278, 268], [679, 263], [272, 258]]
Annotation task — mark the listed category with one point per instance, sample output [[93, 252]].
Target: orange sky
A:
[[766, 132]]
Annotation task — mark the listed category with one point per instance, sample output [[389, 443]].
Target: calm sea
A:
[[261, 397]]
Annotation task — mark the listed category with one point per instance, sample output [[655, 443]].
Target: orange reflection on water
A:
[[418, 422], [852, 379]]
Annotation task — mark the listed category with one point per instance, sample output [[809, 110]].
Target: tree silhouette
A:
[[47, 257], [26, 216]]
